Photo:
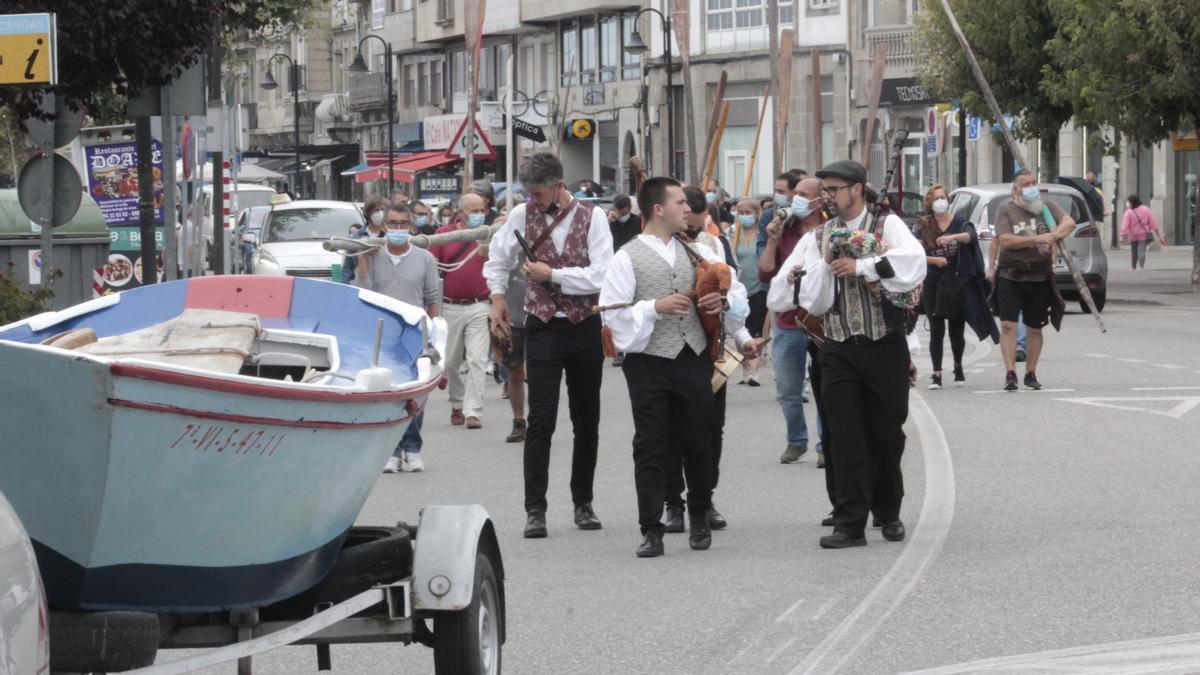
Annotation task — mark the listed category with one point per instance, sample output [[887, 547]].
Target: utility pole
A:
[[216, 106], [145, 174], [773, 50]]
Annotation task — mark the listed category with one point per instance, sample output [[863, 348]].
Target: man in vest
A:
[[864, 363], [571, 249], [667, 364]]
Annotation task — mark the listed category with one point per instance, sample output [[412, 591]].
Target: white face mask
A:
[[377, 218], [940, 206]]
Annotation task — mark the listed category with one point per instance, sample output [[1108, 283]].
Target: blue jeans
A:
[[788, 354], [411, 441]]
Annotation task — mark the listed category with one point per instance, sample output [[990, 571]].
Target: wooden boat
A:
[[205, 444]]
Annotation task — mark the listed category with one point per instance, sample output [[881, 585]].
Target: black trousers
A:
[[672, 403], [815, 377], [552, 349], [674, 464], [864, 389], [937, 338]]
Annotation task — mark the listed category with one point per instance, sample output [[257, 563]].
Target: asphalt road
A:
[[1048, 531]]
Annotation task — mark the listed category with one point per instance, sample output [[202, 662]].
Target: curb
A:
[[1153, 299]]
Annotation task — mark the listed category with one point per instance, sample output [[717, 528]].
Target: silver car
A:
[[24, 640], [979, 204]]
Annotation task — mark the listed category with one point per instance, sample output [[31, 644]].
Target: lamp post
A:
[[270, 84], [360, 66], [637, 46]]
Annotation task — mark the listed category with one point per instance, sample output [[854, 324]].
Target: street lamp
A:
[[637, 46], [270, 84], [360, 66]]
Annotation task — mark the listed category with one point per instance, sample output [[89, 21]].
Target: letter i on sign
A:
[[32, 60]]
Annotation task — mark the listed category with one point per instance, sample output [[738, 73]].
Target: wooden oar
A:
[[762, 116]]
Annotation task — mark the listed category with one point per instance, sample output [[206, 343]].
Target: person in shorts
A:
[[512, 356], [1027, 229]]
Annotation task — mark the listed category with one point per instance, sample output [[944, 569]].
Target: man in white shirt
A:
[[865, 358], [667, 363], [571, 249]]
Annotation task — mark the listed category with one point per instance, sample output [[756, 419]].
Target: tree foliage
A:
[[1009, 40]]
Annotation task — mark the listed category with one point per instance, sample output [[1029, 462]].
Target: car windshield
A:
[[252, 218], [248, 198], [310, 224]]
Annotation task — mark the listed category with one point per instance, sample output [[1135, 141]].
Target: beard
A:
[[1034, 207]]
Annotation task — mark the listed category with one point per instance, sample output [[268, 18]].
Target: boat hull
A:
[[162, 490]]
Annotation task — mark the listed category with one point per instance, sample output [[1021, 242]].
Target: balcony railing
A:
[[367, 91], [899, 40]]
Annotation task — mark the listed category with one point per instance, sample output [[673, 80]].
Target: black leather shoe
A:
[[701, 537], [652, 546], [535, 525], [842, 540], [894, 531], [827, 521], [876, 522], [716, 521], [585, 517], [674, 521]]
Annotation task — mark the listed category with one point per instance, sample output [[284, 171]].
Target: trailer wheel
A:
[[87, 642], [467, 642]]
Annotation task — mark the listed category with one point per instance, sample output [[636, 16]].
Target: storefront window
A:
[[1187, 169]]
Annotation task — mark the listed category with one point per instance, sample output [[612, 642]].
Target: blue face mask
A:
[[746, 220], [398, 237], [781, 200], [1031, 194], [710, 197], [422, 220], [800, 207], [475, 219]]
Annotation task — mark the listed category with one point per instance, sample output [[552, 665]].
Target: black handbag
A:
[[950, 299]]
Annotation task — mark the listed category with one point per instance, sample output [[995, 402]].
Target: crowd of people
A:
[[679, 277]]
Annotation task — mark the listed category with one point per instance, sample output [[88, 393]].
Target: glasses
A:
[[399, 223], [833, 189]]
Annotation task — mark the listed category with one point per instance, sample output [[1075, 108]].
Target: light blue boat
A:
[[205, 444]]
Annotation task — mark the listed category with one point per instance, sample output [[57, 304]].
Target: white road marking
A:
[[1164, 388], [1023, 391], [790, 610], [1133, 360], [1168, 366], [781, 649], [822, 609], [1099, 356], [1176, 654], [1185, 404]]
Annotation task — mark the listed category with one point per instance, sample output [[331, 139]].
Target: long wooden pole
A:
[[815, 98], [715, 148], [1084, 292], [762, 116], [786, 45], [713, 114], [681, 22], [773, 48]]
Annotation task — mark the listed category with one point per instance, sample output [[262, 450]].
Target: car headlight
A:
[[265, 263]]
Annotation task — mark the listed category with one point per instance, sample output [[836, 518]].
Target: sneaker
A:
[[820, 460], [792, 454], [392, 466], [456, 417], [518, 432], [1020, 356], [412, 463], [491, 368], [752, 381], [1031, 382], [935, 382], [618, 360], [960, 378], [1010, 381]]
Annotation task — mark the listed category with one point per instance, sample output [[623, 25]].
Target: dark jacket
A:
[[976, 287]]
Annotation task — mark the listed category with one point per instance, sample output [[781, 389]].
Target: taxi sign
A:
[[28, 50]]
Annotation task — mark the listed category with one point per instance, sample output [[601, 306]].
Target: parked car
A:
[[246, 231], [290, 241], [24, 638], [979, 204], [247, 195], [911, 205]]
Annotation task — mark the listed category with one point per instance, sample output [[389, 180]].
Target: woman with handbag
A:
[[944, 235], [1139, 227]]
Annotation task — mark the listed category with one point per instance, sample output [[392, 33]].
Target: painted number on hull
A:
[[214, 438]]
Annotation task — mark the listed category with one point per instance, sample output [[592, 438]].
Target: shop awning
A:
[[357, 169], [405, 169]]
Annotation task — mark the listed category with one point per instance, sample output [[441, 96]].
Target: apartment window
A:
[[827, 148], [822, 4], [487, 72], [458, 72], [435, 83], [422, 83], [548, 74], [787, 12], [445, 11], [720, 15], [631, 68], [588, 54], [570, 53], [610, 48], [378, 9], [526, 70], [749, 14], [502, 52]]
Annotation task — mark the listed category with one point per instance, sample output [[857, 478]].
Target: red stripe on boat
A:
[[249, 419], [266, 391], [266, 296]]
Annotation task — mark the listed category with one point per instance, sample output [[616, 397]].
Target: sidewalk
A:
[[1165, 281]]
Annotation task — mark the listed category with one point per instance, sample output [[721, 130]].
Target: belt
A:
[[464, 301]]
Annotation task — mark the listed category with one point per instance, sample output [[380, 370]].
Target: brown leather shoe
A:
[[456, 417], [474, 423]]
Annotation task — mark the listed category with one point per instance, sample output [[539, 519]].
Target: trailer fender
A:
[[448, 539]]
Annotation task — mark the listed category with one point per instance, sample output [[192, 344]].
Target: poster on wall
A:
[[113, 183]]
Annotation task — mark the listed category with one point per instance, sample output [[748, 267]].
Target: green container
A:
[[335, 270]]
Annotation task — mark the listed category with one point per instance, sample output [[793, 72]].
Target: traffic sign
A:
[[581, 129], [483, 147], [973, 128], [28, 50], [42, 206], [528, 130], [57, 132]]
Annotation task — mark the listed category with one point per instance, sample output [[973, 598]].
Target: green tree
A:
[[1132, 65], [14, 146], [1009, 40]]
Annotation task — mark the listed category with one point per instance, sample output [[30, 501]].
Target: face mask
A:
[[422, 220], [623, 219], [398, 237], [710, 197], [475, 219], [377, 218], [781, 200], [746, 220], [801, 207], [1031, 194], [940, 206]]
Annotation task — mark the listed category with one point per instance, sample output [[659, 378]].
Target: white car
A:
[[24, 638], [245, 195], [292, 233]]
